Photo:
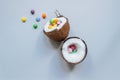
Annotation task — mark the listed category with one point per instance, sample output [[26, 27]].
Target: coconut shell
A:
[[59, 35], [86, 50]]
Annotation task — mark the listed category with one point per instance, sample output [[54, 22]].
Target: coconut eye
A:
[[72, 48]]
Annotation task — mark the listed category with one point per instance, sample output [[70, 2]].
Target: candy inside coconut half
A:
[[58, 23], [57, 28], [74, 50]]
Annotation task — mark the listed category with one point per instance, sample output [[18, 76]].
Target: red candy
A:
[[73, 47]]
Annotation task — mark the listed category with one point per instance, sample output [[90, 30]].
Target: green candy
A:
[[51, 21], [74, 51], [35, 26]]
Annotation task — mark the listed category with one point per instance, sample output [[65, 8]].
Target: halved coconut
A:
[[74, 50], [60, 32]]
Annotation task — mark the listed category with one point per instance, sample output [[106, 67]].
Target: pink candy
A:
[[69, 50], [59, 22]]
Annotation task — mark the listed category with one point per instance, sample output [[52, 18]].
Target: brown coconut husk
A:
[[86, 50], [61, 34]]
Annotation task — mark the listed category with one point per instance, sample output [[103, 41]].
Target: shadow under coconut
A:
[[71, 66], [55, 44], [85, 68]]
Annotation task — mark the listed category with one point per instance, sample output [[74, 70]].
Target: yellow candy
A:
[[55, 20], [23, 19], [50, 27], [55, 25]]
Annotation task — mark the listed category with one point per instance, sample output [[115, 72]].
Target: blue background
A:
[[27, 54]]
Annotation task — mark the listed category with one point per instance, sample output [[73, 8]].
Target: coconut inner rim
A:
[[77, 56]]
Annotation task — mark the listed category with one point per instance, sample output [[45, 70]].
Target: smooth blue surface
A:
[[37, 19], [27, 54]]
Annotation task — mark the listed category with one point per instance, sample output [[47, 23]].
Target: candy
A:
[[69, 50], [73, 47], [32, 11], [23, 19], [59, 22], [37, 19], [35, 26], [44, 15], [51, 21], [55, 20], [74, 51], [55, 25], [50, 27]]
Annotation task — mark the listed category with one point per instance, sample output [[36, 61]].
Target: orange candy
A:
[[44, 15]]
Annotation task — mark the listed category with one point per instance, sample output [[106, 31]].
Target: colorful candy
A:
[[72, 49], [44, 15], [54, 23], [32, 12], [35, 26], [37, 19], [23, 19]]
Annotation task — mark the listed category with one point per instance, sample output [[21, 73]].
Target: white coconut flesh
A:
[[63, 21], [76, 55]]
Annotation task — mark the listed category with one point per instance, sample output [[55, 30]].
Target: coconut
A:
[[60, 31], [74, 50]]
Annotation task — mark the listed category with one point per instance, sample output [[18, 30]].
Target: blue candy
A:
[[37, 19]]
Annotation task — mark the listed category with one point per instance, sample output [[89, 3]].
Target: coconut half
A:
[[74, 50], [60, 32]]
